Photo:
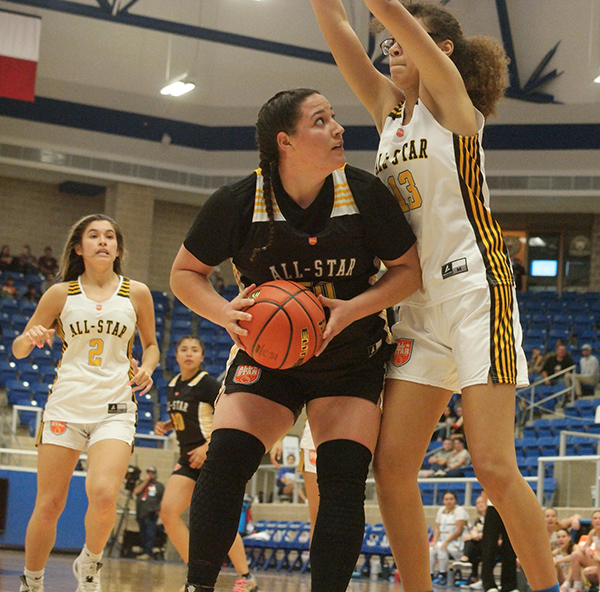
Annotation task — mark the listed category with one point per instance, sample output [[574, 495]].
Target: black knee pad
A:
[[233, 453], [232, 458], [342, 469]]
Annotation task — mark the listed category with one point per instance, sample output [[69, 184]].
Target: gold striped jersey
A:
[[191, 404], [439, 180], [93, 374]]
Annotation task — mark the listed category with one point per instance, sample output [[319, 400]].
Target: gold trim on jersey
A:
[[503, 348], [396, 111], [487, 231], [125, 289], [130, 372], [205, 418], [74, 288], [343, 200]]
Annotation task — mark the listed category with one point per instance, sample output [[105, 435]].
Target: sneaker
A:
[[88, 576], [462, 564], [478, 585], [492, 590], [440, 580], [25, 587], [144, 557], [245, 585]]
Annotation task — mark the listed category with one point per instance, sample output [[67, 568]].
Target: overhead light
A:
[[178, 87]]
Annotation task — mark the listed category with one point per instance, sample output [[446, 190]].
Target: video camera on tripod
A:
[[132, 477]]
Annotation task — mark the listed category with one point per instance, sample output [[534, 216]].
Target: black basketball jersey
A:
[[190, 404], [334, 246]]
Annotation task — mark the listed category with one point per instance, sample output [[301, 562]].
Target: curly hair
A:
[[481, 61], [279, 114]]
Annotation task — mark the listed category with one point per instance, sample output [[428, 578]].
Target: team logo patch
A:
[[312, 457], [312, 240], [399, 132], [246, 374], [58, 427], [403, 351], [98, 307]]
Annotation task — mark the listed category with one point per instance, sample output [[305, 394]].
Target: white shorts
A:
[[461, 342], [81, 436], [308, 454]]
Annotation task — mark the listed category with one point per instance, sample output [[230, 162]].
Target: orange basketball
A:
[[287, 325]]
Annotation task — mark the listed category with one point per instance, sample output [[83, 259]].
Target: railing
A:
[[529, 402]]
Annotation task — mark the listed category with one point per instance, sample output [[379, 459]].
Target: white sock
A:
[[577, 585], [88, 557], [34, 577]]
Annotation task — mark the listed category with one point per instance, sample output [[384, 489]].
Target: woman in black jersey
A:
[[191, 398], [328, 225]]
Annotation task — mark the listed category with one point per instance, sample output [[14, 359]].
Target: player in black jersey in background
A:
[[328, 225], [191, 398]]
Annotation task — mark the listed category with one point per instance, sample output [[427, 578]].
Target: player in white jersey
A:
[[461, 331], [91, 405]]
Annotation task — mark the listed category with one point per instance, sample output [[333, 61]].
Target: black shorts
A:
[[338, 375], [186, 471]]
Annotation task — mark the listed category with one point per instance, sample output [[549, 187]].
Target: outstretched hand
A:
[[234, 313]]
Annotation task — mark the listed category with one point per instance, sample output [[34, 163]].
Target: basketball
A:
[[287, 325]]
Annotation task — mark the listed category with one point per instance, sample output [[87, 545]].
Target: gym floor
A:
[[131, 575]]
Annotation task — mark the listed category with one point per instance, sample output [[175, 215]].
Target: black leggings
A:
[[493, 529]]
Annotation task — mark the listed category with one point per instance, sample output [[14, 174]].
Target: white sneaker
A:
[[478, 585], [25, 587], [492, 590], [88, 576]]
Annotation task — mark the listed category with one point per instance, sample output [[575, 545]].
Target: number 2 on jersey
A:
[[405, 185], [96, 347]]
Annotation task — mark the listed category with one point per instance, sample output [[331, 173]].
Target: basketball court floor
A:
[[131, 575]]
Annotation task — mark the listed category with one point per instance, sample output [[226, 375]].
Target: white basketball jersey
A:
[[439, 180], [93, 374]]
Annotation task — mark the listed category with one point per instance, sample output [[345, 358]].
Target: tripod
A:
[[114, 537]]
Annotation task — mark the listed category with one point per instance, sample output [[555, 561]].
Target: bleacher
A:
[[544, 316]]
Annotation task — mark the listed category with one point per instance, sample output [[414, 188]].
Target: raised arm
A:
[[441, 86], [374, 90]]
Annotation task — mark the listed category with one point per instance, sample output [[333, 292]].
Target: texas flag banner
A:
[[19, 53]]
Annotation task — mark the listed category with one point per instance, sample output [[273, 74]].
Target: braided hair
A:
[[279, 114]]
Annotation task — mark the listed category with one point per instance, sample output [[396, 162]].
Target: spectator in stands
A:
[[286, 479], [26, 262], [447, 539], [49, 281], [590, 372], [216, 279], [495, 531], [553, 524], [31, 295], [536, 361], [444, 426], [6, 259], [9, 290], [438, 460], [562, 558], [458, 461], [47, 263], [561, 360], [149, 493], [588, 557], [456, 429], [471, 556]]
